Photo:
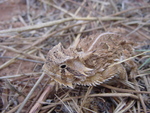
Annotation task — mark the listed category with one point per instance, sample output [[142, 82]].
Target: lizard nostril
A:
[[63, 66]]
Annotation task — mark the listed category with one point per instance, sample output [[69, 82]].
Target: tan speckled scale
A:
[[89, 61]]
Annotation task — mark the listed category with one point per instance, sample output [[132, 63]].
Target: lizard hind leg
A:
[[117, 70], [131, 69]]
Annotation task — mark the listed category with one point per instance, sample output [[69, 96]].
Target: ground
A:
[[23, 51]]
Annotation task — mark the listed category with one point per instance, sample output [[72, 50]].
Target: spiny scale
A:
[[88, 61]]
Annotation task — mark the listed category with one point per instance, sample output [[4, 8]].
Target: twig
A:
[[129, 58], [29, 60], [8, 62], [140, 26], [30, 93], [60, 8], [51, 23], [106, 18], [19, 75], [37, 106], [114, 5], [64, 104], [140, 96], [38, 95], [22, 53], [14, 109], [13, 88], [95, 95], [85, 98], [14, 58], [124, 90], [38, 26], [131, 104], [124, 11], [101, 2], [137, 31], [43, 38], [115, 95]]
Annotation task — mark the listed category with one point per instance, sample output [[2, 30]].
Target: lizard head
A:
[[65, 66]]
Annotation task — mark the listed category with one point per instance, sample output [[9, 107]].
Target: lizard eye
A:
[[63, 66]]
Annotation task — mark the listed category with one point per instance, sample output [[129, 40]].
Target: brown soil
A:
[[23, 52]]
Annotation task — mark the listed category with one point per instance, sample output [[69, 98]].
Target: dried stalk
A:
[[38, 26], [47, 91], [30, 93]]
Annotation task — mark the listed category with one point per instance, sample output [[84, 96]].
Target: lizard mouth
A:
[[70, 76], [58, 77]]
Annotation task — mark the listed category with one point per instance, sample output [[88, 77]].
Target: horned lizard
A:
[[91, 60]]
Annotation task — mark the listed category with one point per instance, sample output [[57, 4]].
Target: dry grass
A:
[[46, 23]]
